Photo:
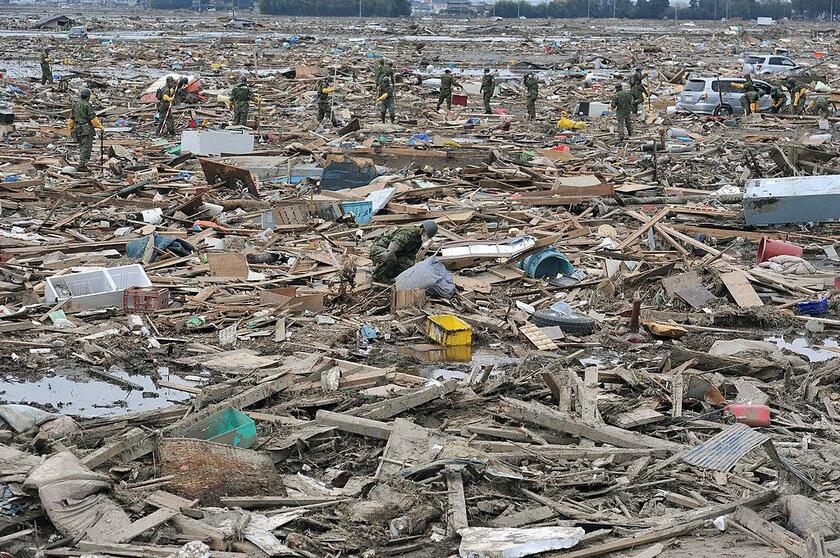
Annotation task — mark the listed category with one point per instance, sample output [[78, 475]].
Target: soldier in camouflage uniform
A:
[[622, 102], [165, 97], [379, 72], [46, 71], [387, 101], [447, 82], [241, 95], [533, 87], [82, 122], [487, 86], [396, 250], [324, 107], [637, 89]]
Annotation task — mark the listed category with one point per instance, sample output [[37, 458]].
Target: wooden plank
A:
[[355, 425], [140, 551], [524, 517], [457, 518], [538, 413], [537, 337], [250, 502], [164, 499], [688, 522], [774, 535], [634, 418], [394, 406], [739, 287], [644, 228], [157, 517]]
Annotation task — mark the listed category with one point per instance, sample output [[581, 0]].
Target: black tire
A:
[[576, 325], [723, 110]]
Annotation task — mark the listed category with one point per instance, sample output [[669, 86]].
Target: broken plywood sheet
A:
[[236, 360], [409, 445], [488, 542], [739, 287]]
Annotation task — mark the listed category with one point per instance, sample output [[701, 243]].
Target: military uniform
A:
[[46, 71], [387, 72], [389, 103], [409, 239], [622, 102], [324, 108], [83, 116], [533, 87], [487, 86], [378, 73], [798, 95], [447, 81], [241, 95], [779, 101], [165, 98], [749, 102], [638, 90]]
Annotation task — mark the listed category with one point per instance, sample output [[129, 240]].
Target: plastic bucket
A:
[[768, 248], [546, 263]]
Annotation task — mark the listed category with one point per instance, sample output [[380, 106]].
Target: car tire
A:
[[577, 324], [723, 110]]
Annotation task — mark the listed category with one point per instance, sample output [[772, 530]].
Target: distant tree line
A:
[[170, 4], [370, 8], [659, 9]]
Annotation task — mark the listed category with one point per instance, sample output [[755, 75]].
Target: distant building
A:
[[460, 7], [54, 22]]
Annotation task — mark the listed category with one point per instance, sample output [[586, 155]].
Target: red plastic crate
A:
[[145, 298]]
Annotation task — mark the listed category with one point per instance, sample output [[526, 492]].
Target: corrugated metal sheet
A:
[[723, 450]]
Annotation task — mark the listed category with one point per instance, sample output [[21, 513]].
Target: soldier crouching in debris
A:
[[395, 251]]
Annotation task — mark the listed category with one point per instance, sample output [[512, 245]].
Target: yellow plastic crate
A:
[[449, 330]]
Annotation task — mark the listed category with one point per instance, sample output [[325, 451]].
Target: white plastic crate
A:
[[215, 142], [96, 289]]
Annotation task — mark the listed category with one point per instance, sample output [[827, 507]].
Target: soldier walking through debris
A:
[[622, 102], [637, 89], [165, 97], [396, 250], [487, 86], [241, 96], [46, 71], [387, 102], [447, 82], [533, 87], [325, 88], [81, 124]]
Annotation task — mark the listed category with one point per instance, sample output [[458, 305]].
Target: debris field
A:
[[608, 348]]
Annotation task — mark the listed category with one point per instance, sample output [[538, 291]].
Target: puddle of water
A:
[[802, 347], [438, 353], [88, 396]]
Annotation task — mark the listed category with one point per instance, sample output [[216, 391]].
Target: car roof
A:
[[725, 78]]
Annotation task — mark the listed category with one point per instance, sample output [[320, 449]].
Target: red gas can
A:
[[751, 415]]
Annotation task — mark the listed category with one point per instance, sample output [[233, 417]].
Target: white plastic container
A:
[[95, 289], [237, 141]]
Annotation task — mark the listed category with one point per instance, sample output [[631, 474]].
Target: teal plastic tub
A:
[[229, 427], [546, 263]]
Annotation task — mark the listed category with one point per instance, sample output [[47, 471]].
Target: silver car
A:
[[770, 64], [720, 96]]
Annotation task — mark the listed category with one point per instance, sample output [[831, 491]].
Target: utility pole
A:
[[518, 9], [588, 6], [727, 10], [360, 8], [614, 8], [675, 13]]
